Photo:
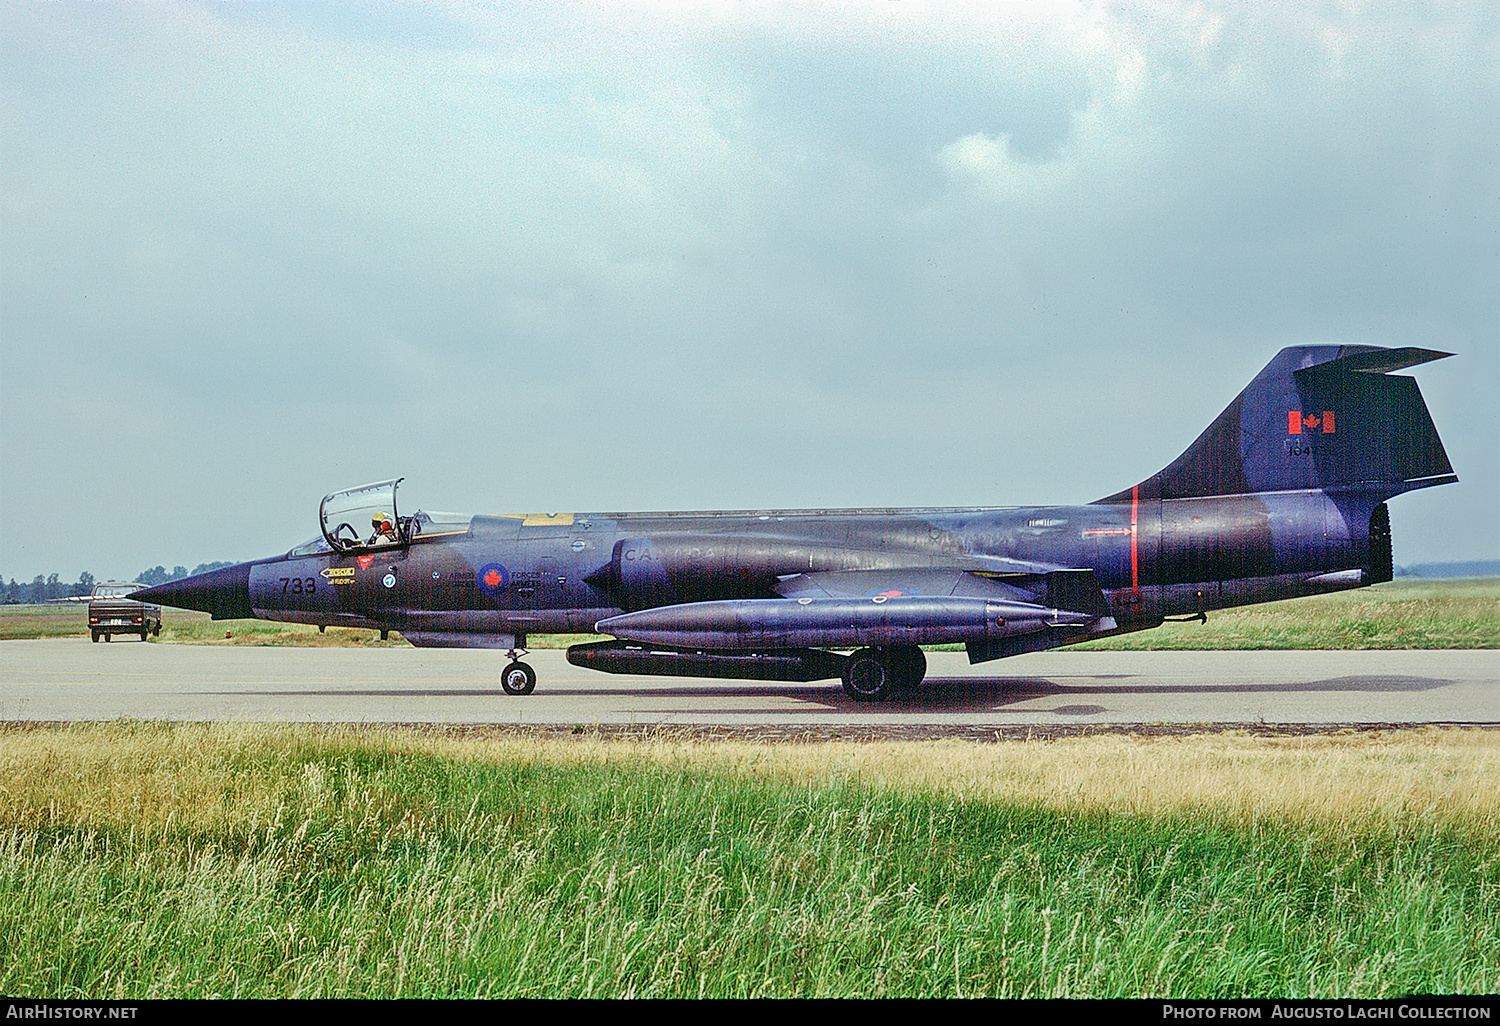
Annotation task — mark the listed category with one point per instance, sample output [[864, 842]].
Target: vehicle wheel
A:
[[908, 667], [94, 636], [107, 635], [518, 679], [867, 676]]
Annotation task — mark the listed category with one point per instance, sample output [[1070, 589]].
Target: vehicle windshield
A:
[[116, 590]]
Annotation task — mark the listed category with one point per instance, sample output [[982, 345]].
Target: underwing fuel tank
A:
[[761, 624], [657, 661]]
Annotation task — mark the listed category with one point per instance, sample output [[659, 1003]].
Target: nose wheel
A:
[[518, 678]]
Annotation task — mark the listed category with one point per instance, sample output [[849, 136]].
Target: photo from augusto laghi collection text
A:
[[1460, 1009]]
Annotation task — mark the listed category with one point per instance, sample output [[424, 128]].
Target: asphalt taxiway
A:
[[71, 679]]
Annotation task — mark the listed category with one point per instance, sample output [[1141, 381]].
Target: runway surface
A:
[[71, 679]]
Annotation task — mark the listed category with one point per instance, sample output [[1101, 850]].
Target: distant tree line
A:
[[47, 588]]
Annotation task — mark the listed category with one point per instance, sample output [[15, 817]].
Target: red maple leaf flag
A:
[[1296, 421]]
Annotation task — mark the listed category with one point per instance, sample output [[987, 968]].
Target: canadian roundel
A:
[[492, 578]]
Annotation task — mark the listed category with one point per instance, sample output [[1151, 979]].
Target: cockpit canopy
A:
[[367, 518], [363, 518]]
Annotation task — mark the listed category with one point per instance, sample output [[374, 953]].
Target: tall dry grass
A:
[[201, 773], [160, 860]]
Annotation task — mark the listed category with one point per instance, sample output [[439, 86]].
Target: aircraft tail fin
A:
[[1316, 417]]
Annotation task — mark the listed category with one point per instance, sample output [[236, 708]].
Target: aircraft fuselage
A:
[[563, 574], [1282, 495]]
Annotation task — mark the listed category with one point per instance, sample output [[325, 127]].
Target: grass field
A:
[[153, 860], [1461, 613], [1398, 614]]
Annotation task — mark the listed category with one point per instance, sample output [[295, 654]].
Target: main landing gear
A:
[[518, 678], [871, 674]]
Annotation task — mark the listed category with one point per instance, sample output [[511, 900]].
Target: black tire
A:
[[867, 676], [107, 635], [518, 679], [908, 666], [94, 636]]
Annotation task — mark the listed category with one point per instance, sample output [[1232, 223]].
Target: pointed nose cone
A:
[[224, 593]]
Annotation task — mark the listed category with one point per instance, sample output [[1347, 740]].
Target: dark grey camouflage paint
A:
[[1283, 495]]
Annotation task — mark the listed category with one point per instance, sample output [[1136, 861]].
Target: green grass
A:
[[1461, 613], [163, 861], [1398, 614], [188, 627], [181, 627], [44, 620]]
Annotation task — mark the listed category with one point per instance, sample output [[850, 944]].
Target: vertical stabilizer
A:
[[1330, 417]]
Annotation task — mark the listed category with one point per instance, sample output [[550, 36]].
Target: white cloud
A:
[[988, 164], [802, 212]]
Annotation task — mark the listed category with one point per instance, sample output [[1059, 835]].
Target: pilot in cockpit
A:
[[385, 530]]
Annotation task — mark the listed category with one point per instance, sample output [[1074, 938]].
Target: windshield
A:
[[310, 547]]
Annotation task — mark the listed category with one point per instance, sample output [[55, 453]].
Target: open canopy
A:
[[367, 518], [364, 518]]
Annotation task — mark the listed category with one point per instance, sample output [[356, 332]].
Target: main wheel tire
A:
[[94, 636], [908, 667], [867, 676], [518, 679], [107, 635]]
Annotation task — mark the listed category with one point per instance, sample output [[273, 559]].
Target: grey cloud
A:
[[614, 258]]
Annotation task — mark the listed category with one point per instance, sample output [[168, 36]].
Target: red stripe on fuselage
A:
[[1135, 565]]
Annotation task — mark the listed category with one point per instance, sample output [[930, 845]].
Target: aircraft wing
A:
[[1073, 590]]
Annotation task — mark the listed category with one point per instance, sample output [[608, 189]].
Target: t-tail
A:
[[1285, 492]]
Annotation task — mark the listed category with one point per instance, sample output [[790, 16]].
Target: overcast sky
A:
[[703, 256]]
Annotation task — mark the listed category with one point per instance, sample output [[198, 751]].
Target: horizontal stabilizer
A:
[[1378, 361]]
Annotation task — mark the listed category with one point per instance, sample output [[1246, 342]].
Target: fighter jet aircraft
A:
[[1283, 495]]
